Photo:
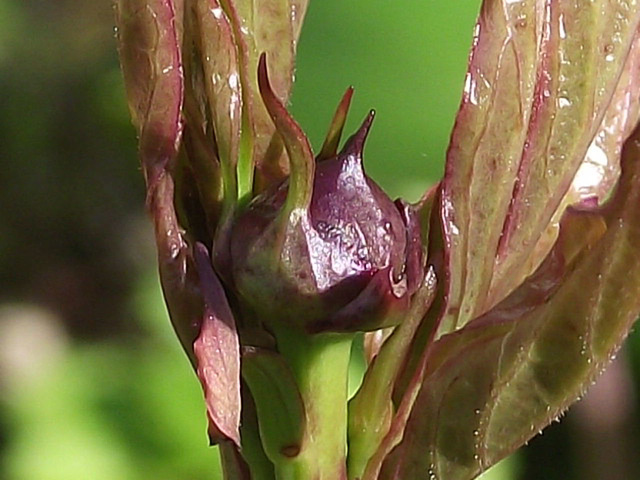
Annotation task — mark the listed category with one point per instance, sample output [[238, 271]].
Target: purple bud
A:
[[338, 265]]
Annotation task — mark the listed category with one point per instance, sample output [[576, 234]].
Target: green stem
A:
[[320, 364], [245, 167]]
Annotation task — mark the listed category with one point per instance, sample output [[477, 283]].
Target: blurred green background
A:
[[92, 383]]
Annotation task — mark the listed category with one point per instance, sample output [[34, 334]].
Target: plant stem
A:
[[245, 167], [320, 364]]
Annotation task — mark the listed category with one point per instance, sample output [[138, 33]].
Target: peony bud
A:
[[337, 263]]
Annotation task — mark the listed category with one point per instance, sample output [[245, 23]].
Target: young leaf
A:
[[217, 353], [148, 43], [280, 409], [297, 145], [542, 75], [271, 27], [149, 47], [598, 173], [600, 168], [371, 409], [219, 59], [330, 145], [492, 385]]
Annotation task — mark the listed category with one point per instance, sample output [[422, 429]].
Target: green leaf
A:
[[490, 386], [600, 169], [542, 77], [330, 145], [280, 409], [371, 409]]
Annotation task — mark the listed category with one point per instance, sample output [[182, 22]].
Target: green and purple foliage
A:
[[488, 306]]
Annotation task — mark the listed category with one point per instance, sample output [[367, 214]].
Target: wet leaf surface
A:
[[542, 78], [492, 385]]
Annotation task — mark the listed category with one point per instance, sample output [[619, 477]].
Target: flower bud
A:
[[337, 262]]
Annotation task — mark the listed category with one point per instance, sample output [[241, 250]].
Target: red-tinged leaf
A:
[[221, 69], [542, 77], [371, 409], [295, 141], [233, 464], [199, 160], [490, 386], [199, 313], [495, 108], [217, 353], [201, 157], [600, 168], [271, 27], [148, 42], [586, 80], [373, 341], [150, 37], [418, 227], [178, 275]]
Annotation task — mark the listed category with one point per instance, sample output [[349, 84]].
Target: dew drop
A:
[[217, 12], [563, 32], [432, 472]]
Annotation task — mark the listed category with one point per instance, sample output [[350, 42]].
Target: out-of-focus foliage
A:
[[92, 382]]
